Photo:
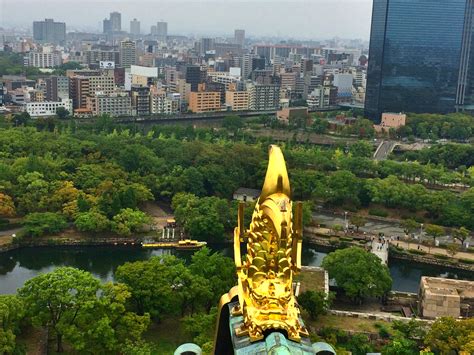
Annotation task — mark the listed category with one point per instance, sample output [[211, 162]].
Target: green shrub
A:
[[37, 224], [383, 331], [466, 261], [418, 219], [378, 212], [441, 256], [417, 252]]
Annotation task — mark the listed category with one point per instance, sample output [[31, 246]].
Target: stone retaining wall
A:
[[374, 316], [313, 238], [430, 261]]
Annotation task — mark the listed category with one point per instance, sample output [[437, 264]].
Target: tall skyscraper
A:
[[207, 44], [420, 57], [128, 53], [49, 31], [239, 37], [135, 27], [107, 26], [162, 30], [116, 21]]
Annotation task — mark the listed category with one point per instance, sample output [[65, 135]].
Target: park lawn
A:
[[310, 280], [166, 336], [347, 323]]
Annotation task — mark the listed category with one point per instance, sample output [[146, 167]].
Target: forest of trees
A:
[[95, 177]]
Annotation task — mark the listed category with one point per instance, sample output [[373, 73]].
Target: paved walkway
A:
[[432, 250], [380, 249]]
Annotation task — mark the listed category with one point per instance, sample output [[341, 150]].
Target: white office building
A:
[[47, 108]]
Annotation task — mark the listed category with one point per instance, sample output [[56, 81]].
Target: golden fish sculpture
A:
[[265, 275]]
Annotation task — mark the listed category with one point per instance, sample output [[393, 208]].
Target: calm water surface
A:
[[19, 265]]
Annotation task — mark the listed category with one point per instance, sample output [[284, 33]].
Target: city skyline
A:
[[320, 19]]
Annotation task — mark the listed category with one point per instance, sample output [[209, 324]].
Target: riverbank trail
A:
[[432, 250]]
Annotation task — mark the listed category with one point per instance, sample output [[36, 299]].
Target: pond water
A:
[[19, 265]]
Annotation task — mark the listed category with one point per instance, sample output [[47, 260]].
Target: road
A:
[[375, 227], [372, 227], [384, 149]]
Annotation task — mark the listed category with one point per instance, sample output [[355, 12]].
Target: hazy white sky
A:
[[312, 19]]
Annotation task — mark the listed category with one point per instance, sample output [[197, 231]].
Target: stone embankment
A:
[[313, 238], [71, 242]]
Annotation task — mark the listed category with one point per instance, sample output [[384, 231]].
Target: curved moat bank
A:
[[17, 266]]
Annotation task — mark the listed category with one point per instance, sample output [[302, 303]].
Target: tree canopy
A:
[[359, 273]]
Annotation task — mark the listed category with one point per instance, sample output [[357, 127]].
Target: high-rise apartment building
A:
[[107, 25], [128, 53], [115, 104], [116, 21], [57, 88], [2, 94], [264, 97], [140, 100], [194, 76], [44, 59], [420, 57], [239, 37], [237, 100], [207, 44], [80, 87], [48, 31], [162, 30], [113, 23], [135, 27], [204, 101]]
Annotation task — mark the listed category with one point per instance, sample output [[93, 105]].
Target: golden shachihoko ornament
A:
[[274, 243]]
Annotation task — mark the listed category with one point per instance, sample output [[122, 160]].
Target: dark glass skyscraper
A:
[[420, 57]]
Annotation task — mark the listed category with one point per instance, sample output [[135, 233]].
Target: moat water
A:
[[19, 265]]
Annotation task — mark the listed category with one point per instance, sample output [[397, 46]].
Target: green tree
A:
[[320, 125], [201, 327], [358, 221], [400, 346], [315, 303], [434, 231], [105, 325], [151, 284], [217, 269], [452, 249], [204, 218], [38, 224], [128, 221], [448, 335], [21, 119], [233, 123], [361, 149], [359, 273], [12, 311], [7, 207], [410, 225], [461, 234], [62, 113], [66, 291], [413, 329], [92, 221]]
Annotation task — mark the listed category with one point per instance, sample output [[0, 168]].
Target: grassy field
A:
[[347, 323], [310, 280], [166, 336]]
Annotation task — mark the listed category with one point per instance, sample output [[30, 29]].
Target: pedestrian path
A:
[[432, 250], [380, 248]]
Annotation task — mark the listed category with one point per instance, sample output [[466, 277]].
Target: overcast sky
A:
[[311, 19]]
